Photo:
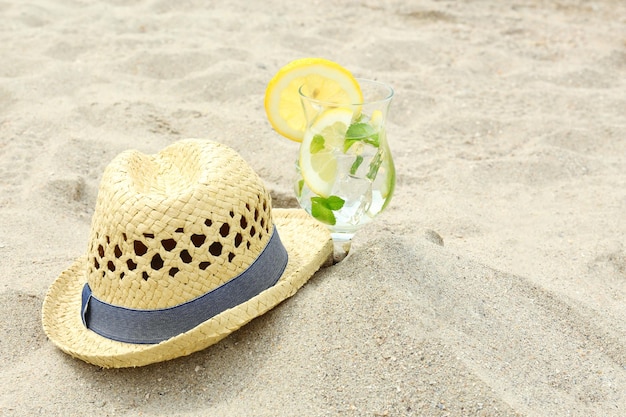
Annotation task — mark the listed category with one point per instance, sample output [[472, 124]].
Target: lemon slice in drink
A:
[[318, 162], [319, 78], [376, 120]]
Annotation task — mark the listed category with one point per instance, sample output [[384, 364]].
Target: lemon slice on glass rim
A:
[[317, 158], [319, 78]]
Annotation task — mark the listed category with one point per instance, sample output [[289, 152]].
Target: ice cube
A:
[[357, 195]]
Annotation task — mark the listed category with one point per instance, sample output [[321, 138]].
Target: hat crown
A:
[[170, 227]]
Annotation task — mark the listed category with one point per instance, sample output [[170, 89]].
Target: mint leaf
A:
[[360, 132], [317, 144], [300, 186], [335, 203], [322, 208], [321, 212], [349, 142], [357, 163], [377, 160]]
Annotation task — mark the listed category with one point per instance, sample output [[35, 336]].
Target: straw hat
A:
[[184, 249]]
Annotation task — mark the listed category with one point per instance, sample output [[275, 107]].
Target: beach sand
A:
[[508, 130]]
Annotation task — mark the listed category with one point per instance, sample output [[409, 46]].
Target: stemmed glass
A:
[[345, 171]]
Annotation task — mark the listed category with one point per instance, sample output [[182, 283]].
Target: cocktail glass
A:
[[345, 171]]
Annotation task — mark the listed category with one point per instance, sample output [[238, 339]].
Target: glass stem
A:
[[341, 246]]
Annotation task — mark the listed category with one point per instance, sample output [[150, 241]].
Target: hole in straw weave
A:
[[118, 251], [225, 230], [168, 244], [157, 262], [208, 222], [122, 275], [180, 230], [243, 222], [145, 276], [204, 265], [140, 248], [198, 240], [173, 271], [185, 256], [95, 263], [148, 235], [248, 206], [124, 236], [131, 265], [108, 239], [238, 240], [111, 266], [215, 248], [248, 244], [101, 251], [232, 213], [231, 256], [252, 231]]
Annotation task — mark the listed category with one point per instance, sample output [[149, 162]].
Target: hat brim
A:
[[307, 242]]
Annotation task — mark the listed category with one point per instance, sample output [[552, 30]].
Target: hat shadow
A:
[[218, 373]]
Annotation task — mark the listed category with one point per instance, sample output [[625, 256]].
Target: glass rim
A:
[[380, 84]]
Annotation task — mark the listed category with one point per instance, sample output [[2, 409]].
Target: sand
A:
[[508, 130]]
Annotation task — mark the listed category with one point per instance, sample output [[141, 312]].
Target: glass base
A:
[[341, 246]]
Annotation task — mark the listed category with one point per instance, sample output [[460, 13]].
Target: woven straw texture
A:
[[171, 227], [168, 228]]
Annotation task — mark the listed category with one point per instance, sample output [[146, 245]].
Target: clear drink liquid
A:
[[363, 185]]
